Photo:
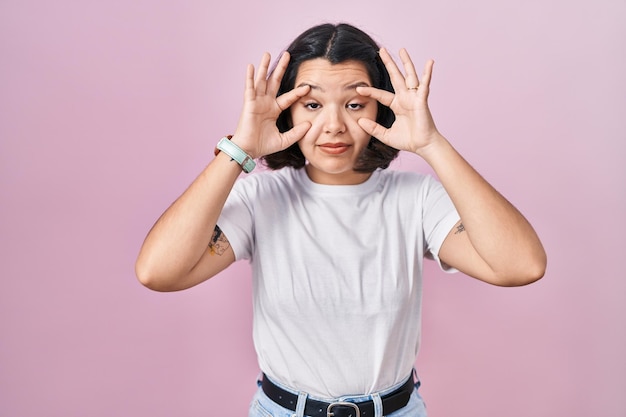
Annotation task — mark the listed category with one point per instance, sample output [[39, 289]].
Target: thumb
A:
[[295, 133], [373, 128]]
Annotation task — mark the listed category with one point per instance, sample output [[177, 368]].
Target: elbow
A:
[[160, 279], [145, 277], [530, 272], [521, 280], [149, 278], [538, 267]]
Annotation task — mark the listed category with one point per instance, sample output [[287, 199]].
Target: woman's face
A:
[[335, 140]]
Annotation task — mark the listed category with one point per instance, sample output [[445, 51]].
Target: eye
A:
[[355, 106], [312, 106]]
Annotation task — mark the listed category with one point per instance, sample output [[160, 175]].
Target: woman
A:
[[336, 241]]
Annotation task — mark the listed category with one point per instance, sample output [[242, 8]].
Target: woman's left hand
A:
[[414, 128]]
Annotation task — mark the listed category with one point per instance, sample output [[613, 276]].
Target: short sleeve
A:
[[439, 217], [237, 221]]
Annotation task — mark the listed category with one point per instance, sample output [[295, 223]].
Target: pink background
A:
[[108, 110]]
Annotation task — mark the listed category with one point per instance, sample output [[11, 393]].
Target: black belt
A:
[[391, 402]]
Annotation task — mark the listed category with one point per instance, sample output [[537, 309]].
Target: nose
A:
[[334, 122]]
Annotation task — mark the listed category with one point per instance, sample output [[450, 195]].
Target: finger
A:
[[428, 72], [382, 96], [284, 101], [260, 81], [249, 92], [295, 133], [397, 79], [410, 79], [277, 74], [373, 128]]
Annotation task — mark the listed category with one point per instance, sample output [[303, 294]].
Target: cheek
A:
[[298, 115], [367, 114], [371, 112], [313, 133]]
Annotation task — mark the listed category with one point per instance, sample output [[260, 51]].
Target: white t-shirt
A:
[[337, 273]]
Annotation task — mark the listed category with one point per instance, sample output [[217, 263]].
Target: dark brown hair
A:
[[336, 43]]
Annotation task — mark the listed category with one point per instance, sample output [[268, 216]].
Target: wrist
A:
[[434, 147], [237, 154], [244, 144]]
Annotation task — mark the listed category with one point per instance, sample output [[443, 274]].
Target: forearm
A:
[[497, 231], [180, 237]]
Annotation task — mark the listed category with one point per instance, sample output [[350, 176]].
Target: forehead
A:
[[322, 73]]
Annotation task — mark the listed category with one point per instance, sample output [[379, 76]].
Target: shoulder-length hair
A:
[[336, 43]]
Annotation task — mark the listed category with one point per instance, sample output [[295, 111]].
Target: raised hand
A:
[[414, 128], [256, 131]]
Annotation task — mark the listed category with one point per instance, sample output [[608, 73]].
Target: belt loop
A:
[[378, 405], [416, 379], [302, 397]]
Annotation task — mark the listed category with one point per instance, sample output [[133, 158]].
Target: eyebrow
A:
[[348, 87]]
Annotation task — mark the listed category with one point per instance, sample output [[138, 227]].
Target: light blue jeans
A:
[[262, 406]]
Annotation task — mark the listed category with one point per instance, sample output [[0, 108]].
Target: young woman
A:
[[335, 240]]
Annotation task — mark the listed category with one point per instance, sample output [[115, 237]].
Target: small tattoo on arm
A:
[[218, 243], [459, 229]]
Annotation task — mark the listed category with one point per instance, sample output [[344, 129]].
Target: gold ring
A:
[[412, 88]]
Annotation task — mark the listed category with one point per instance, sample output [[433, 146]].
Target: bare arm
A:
[[185, 247], [178, 252], [493, 242]]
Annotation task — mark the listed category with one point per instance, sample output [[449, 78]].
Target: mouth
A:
[[334, 148]]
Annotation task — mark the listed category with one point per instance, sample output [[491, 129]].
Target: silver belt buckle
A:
[[329, 413]]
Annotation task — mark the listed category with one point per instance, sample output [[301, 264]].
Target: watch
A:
[[236, 153]]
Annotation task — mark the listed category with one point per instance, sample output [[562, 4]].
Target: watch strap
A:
[[236, 154]]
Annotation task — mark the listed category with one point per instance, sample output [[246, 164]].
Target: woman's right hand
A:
[[256, 131]]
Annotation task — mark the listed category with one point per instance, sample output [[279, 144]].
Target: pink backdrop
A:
[[108, 109]]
